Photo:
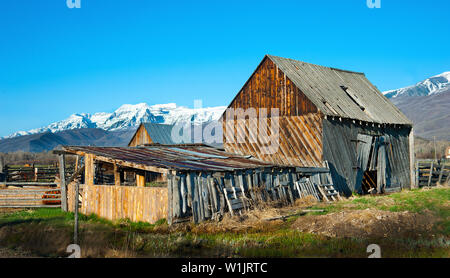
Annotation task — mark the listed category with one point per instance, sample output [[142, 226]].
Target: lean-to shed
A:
[[324, 114]]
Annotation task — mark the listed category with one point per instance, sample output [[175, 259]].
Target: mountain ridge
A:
[[130, 116], [427, 104]]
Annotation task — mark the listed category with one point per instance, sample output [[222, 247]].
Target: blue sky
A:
[[56, 61]]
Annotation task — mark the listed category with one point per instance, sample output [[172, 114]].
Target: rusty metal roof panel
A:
[[341, 93], [183, 157]]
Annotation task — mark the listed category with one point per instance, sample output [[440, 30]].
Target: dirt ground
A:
[[255, 219], [8, 253], [368, 223]]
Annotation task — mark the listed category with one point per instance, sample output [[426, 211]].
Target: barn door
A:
[[363, 152], [383, 167]]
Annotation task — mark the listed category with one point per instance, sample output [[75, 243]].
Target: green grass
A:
[[39, 229]]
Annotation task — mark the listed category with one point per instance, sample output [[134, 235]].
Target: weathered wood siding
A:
[[300, 132], [141, 137], [199, 196], [340, 150], [146, 204]]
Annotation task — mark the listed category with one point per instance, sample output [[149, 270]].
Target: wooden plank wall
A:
[[141, 137], [146, 204], [300, 121], [340, 148]]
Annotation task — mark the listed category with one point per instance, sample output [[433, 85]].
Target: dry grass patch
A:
[[369, 223]]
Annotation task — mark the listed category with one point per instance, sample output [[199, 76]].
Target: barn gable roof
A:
[[340, 93], [160, 133]]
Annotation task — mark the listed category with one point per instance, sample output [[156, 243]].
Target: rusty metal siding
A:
[[300, 133], [340, 150], [146, 204]]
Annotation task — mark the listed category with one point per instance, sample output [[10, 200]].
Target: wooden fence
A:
[[29, 195], [432, 172], [146, 204], [40, 173]]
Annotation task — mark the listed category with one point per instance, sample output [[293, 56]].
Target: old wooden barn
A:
[[324, 114]]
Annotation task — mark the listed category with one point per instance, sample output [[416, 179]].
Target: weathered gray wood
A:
[[196, 202], [2, 169], [240, 181], [170, 199], [205, 197], [441, 174], [176, 196], [62, 177], [201, 209], [28, 183], [230, 208], [76, 203], [431, 174], [183, 194], [27, 199], [30, 206], [189, 184]]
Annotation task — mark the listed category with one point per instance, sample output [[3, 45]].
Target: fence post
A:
[[75, 201], [62, 177], [2, 172]]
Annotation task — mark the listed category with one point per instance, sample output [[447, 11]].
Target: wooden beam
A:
[[431, 174], [89, 169], [140, 179], [117, 178], [412, 172], [62, 178], [126, 164]]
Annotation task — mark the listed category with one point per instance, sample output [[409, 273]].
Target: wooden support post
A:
[[117, 179], [2, 169], [441, 173], [75, 201], [417, 174], [431, 174], [89, 169], [412, 158], [62, 178], [77, 162], [140, 179], [36, 173]]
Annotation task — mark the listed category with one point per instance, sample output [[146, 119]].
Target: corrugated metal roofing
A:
[[323, 86], [159, 133], [175, 157], [162, 134]]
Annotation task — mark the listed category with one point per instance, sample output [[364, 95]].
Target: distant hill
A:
[[48, 141], [430, 114]]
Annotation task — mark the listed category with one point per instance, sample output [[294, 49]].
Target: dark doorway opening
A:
[[369, 182]]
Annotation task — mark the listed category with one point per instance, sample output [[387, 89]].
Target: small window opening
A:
[[353, 97]]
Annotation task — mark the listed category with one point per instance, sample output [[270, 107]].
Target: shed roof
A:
[[162, 133], [340, 93], [159, 133], [191, 157]]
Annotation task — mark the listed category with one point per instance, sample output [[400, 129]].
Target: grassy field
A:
[[407, 224]]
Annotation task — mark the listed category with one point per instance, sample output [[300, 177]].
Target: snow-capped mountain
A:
[[129, 116], [433, 85]]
